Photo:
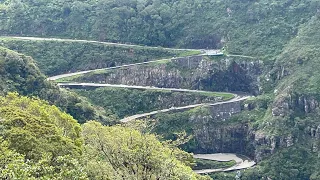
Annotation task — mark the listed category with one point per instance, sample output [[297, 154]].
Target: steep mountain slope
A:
[[281, 126], [38, 141], [260, 27], [55, 57], [287, 129], [18, 73]]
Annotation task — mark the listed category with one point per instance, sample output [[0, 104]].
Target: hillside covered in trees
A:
[[49, 132], [19, 73], [40, 142], [245, 27]]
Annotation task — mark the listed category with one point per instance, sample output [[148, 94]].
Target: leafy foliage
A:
[[18, 73], [128, 154], [56, 57], [244, 27], [210, 164], [37, 140], [40, 142], [125, 102], [30, 126], [295, 162]]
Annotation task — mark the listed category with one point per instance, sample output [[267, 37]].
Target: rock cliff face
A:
[[215, 132], [286, 108], [125, 102], [265, 145], [212, 132], [218, 74], [213, 135]]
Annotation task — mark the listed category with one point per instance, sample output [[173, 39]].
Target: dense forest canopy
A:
[[56, 57], [40, 142], [252, 27], [46, 132], [19, 73]]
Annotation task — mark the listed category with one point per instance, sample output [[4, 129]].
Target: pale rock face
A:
[[212, 136], [212, 132], [317, 134], [280, 107], [227, 74], [287, 102]]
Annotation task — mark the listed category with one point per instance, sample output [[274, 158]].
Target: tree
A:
[[39, 138], [123, 153]]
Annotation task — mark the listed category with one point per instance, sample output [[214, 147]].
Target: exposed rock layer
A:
[[224, 74]]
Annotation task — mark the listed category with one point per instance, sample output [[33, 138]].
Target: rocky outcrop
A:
[[307, 104], [224, 74], [290, 106], [214, 136], [266, 145], [288, 102], [214, 133]]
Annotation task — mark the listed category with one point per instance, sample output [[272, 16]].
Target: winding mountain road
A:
[[138, 116], [224, 157], [54, 78], [235, 98], [240, 163], [207, 52], [135, 87]]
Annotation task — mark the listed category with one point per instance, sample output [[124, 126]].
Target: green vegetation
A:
[[300, 59], [210, 164], [125, 102], [18, 73], [122, 153], [294, 76], [244, 27], [75, 77], [40, 142], [168, 125], [58, 57], [225, 96], [290, 163], [282, 124]]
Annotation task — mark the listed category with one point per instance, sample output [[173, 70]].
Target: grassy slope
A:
[[56, 57], [260, 28], [18, 73], [209, 164], [125, 102]]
